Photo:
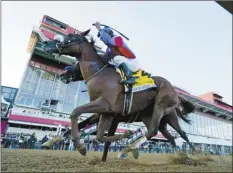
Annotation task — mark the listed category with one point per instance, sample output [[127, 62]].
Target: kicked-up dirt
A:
[[22, 160]]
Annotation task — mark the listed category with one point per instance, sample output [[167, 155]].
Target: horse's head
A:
[[70, 44]]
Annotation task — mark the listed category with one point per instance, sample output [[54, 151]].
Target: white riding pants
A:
[[132, 64]]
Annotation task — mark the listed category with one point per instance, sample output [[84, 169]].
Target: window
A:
[[12, 96], [51, 22], [189, 129], [68, 107], [215, 128], [20, 100], [202, 122], [225, 130], [59, 90], [13, 91], [71, 93], [198, 124], [6, 90], [60, 106], [28, 101], [30, 80], [83, 97], [194, 129], [220, 129], [230, 130], [46, 83], [6, 95], [209, 127], [205, 124], [212, 127], [37, 102]]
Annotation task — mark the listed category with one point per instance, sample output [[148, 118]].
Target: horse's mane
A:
[[92, 41]]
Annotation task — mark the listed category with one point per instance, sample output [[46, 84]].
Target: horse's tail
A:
[[188, 107], [182, 116]]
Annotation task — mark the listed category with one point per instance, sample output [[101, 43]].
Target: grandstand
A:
[[43, 101], [8, 95]]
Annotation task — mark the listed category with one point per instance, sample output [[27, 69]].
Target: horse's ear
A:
[[86, 32]]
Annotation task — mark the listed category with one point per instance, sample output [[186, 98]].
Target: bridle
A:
[[64, 44], [79, 39]]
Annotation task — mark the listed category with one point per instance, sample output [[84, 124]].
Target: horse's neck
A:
[[90, 63]]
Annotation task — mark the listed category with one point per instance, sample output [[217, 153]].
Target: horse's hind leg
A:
[[111, 132], [158, 112], [174, 123], [165, 102], [146, 119], [164, 131]]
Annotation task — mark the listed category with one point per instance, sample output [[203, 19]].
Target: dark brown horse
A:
[[107, 94]]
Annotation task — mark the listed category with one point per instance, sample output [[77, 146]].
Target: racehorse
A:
[[184, 108], [107, 95]]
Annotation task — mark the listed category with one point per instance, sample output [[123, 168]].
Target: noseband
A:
[[80, 39]]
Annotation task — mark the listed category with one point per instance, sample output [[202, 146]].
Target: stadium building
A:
[[43, 102], [8, 95]]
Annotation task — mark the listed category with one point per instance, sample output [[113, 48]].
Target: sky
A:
[[187, 42]]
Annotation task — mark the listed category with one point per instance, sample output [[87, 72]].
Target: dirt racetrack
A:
[[67, 161]]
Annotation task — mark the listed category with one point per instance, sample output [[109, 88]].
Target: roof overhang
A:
[[227, 5], [206, 107]]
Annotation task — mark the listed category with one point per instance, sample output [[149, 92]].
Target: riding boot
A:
[[128, 73]]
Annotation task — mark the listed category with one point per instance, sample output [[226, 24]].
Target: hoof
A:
[[122, 155], [82, 149], [128, 133], [135, 153]]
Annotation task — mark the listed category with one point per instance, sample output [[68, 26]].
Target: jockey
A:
[[120, 53]]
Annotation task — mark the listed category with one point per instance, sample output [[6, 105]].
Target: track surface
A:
[[66, 161]]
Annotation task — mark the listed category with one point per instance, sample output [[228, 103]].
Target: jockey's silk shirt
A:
[[116, 42]]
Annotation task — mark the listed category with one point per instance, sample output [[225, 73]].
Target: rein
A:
[[95, 73]]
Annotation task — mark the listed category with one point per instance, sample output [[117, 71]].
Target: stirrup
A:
[[129, 81]]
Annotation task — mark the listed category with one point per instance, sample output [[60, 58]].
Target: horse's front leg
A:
[[104, 125], [97, 106]]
